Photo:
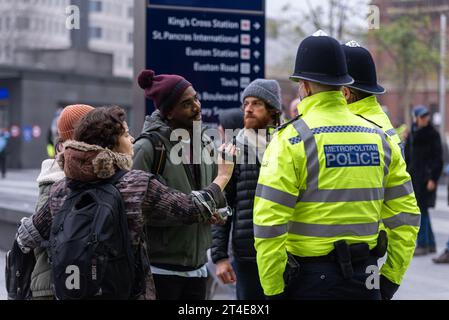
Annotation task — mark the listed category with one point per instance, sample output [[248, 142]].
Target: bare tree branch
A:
[[331, 17], [342, 19], [386, 48], [315, 18]]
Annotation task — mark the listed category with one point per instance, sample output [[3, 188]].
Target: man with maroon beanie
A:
[[177, 252]]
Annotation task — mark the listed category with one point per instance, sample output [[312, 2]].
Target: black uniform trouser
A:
[[179, 288], [325, 281]]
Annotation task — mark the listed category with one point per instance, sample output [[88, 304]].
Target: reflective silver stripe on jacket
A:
[[391, 132], [398, 191], [387, 153], [276, 196], [316, 230], [403, 219], [333, 230], [265, 232], [311, 149], [341, 195]]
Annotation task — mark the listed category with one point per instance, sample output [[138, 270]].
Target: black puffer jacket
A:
[[423, 155], [240, 194]]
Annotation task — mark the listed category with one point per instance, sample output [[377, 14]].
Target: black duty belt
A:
[[332, 257], [346, 255], [354, 253]]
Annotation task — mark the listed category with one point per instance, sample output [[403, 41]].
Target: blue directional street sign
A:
[[219, 46], [27, 133], [4, 93]]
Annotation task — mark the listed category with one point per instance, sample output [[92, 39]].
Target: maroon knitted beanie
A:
[[165, 89]]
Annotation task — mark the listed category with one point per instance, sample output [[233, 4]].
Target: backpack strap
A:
[[159, 150], [116, 177]]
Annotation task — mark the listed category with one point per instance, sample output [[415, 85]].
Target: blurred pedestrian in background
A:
[[444, 257], [424, 158], [52, 134], [4, 138]]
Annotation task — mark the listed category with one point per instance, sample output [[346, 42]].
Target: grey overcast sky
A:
[[273, 7], [300, 7]]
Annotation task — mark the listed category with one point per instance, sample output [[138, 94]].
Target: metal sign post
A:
[[443, 76]]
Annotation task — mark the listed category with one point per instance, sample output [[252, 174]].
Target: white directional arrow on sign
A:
[[256, 40], [256, 26], [256, 54], [256, 68]]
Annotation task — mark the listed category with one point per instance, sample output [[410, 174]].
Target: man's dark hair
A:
[[275, 114], [319, 87], [101, 126], [359, 95]]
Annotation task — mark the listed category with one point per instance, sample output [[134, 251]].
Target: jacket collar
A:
[[322, 100], [367, 106], [50, 172]]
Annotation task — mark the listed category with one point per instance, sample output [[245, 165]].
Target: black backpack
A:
[[89, 246], [18, 269]]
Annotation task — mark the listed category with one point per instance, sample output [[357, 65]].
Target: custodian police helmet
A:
[[321, 59], [362, 68]]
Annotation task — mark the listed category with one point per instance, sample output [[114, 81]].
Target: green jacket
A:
[[175, 247], [41, 278]]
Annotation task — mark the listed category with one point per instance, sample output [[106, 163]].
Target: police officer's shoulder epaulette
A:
[[391, 132], [284, 125], [377, 125]]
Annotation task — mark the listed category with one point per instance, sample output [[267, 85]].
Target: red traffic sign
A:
[[15, 131], [37, 131]]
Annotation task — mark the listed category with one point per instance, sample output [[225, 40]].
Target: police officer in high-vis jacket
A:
[[361, 95], [325, 180]]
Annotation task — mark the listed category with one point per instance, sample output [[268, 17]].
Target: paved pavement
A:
[[424, 280], [19, 190], [2, 276]]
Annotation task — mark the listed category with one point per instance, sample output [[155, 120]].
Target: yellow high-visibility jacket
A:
[[329, 176], [370, 109]]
